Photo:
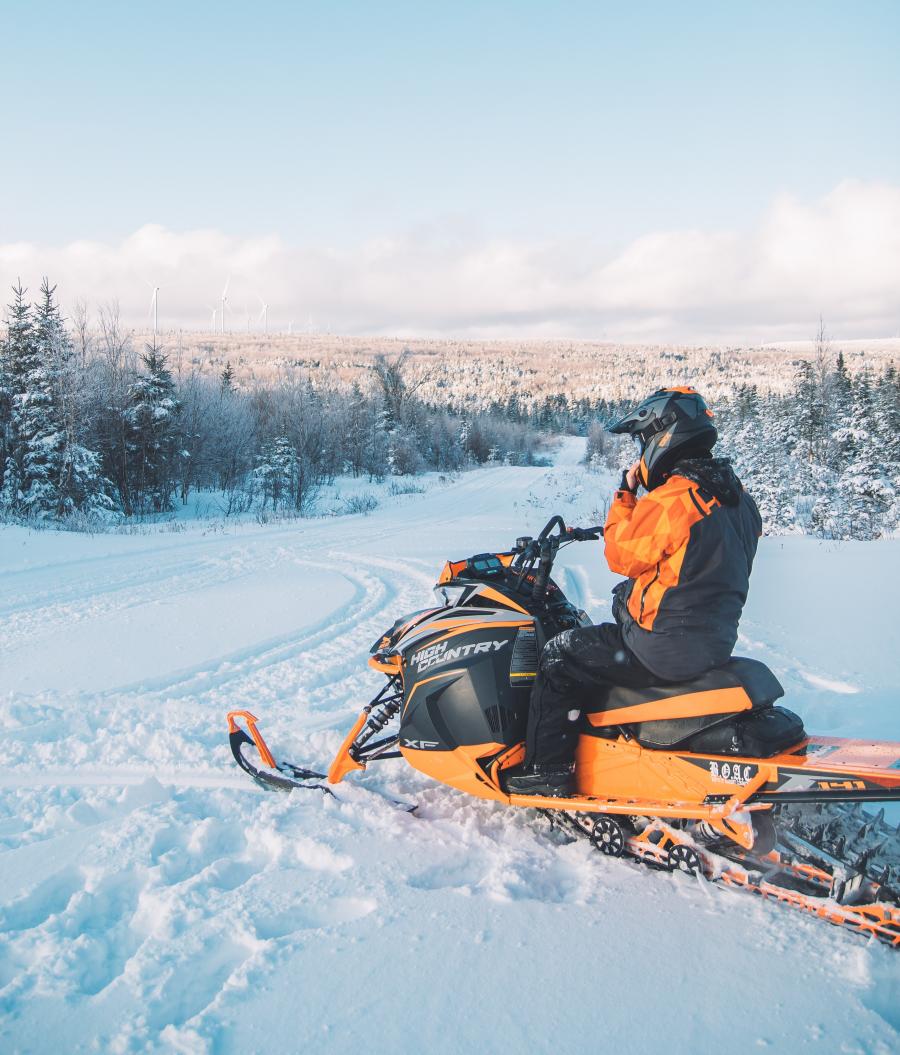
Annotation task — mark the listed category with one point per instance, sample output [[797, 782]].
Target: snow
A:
[[154, 899], [818, 682]]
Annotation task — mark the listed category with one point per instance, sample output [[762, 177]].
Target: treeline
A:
[[554, 413], [822, 459], [825, 458], [91, 427]]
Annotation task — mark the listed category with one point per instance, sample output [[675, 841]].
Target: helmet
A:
[[667, 426]]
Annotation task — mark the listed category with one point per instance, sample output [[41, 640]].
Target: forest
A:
[[94, 430]]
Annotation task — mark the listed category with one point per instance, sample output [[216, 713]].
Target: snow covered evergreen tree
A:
[[276, 474], [152, 435], [226, 378], [18, 359], [865, 489], [49, 472]]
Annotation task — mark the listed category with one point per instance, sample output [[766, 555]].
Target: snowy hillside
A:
[[154, 899]]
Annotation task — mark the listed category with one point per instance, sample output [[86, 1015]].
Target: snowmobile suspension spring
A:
[[381, 718]]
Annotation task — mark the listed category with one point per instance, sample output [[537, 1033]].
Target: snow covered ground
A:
[[153, 899]]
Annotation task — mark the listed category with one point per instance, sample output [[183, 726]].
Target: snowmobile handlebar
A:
[[543, 549]]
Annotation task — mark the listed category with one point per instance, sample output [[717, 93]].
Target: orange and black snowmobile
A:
[[708, 777]]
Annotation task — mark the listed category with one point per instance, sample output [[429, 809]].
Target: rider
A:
[[687, 547]]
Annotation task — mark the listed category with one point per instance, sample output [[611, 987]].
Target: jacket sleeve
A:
[[636, 534]]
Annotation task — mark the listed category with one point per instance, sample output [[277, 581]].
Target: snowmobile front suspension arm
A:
[[353, 752]]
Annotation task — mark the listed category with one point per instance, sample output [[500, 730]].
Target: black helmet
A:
[[670, 424]]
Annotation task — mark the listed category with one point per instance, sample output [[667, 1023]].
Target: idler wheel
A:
[[684, 859], [608, 836]]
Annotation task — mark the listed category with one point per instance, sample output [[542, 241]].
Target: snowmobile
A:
[[709, 777]]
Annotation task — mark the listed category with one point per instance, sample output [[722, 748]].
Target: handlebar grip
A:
[[539, 590], [586, 534]]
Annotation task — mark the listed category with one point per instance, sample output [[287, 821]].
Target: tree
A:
[[867, 495], [18, 359], [196, 403], [395, 389], [152, 435], [50, 473], [110, 401], [226, 378], [276, 474]]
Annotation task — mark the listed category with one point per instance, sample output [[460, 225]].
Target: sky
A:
[[672, 171]]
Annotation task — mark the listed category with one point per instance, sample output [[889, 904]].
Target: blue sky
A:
[[331, 125]]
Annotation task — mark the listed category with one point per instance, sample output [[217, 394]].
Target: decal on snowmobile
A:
[[439, 653], [722, 772], [420, 745]]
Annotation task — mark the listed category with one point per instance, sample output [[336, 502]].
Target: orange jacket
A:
[[687, 546]]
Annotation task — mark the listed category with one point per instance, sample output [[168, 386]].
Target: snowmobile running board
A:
[[862, 795]]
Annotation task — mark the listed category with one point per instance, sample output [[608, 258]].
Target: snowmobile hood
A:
[[715, 475]]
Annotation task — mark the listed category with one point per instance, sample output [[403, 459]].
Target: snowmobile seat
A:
[[726, 710]]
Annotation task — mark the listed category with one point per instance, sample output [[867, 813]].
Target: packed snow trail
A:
[[154, 899]]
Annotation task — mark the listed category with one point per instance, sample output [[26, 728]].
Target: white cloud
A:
[[839, 255]]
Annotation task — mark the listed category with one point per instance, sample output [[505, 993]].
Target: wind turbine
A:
[[264, 314], [154, 307], [215, 312], [225, 301]]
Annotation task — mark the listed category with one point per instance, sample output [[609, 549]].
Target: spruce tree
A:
[[226, 378], [152, 435], [887, 426], [18, 359], [44, 429], [37, 416], [841, 379], [276, 473], [49, 472], [864, 484]]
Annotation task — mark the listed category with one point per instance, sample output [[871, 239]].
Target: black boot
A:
[[555, 781]]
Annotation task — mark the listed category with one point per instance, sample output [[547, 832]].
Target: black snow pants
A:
[[574, 668]]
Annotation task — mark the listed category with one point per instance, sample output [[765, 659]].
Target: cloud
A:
[[839, 255]]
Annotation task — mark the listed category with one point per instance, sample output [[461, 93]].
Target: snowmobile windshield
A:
[[449, 595]]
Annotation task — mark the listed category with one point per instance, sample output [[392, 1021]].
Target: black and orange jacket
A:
[[687, 548]]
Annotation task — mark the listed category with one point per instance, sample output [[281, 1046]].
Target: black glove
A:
[[620, 601], [623, 486], [585, 534]]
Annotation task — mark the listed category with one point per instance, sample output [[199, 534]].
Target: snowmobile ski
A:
[[277, 776], [280, 775]]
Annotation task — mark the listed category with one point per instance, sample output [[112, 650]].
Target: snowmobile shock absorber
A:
[[350, 754], [380, 719]]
